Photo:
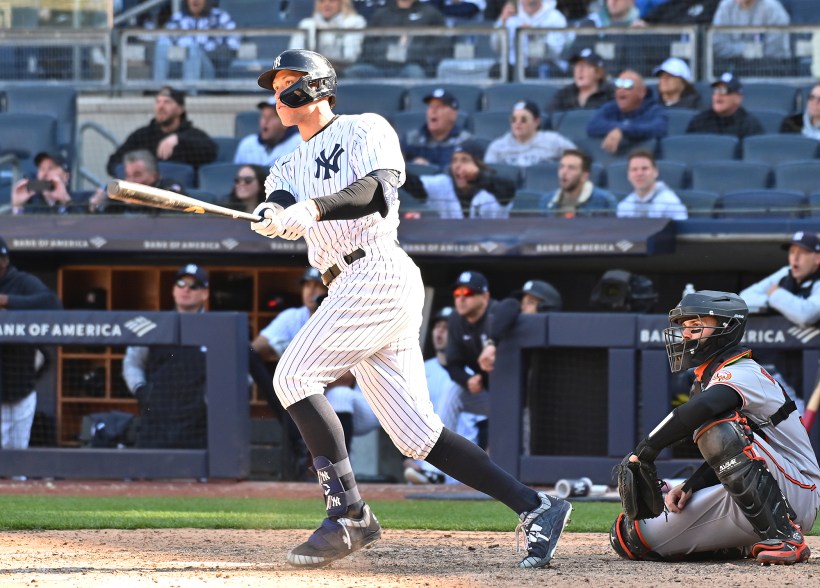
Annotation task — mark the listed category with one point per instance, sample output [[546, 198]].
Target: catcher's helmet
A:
[[318, 82], [729, 309]]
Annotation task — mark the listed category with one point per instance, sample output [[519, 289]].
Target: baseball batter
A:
[[339, 190], [756, 493]]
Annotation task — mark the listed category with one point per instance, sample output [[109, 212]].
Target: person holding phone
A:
[[48, 192]]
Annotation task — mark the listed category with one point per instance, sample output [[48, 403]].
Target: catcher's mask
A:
[[318, 82], [729, 309]]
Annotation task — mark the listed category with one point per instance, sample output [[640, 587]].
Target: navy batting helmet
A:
[[318, 82]]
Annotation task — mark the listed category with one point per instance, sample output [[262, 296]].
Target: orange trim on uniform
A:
[[782, 471], [621, 538], [702, 367], [640, 535], [713, 423]]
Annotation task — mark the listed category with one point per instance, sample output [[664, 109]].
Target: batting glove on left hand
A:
[[297, 219], [271, 224]]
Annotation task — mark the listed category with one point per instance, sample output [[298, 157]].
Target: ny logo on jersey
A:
[[324, 161]]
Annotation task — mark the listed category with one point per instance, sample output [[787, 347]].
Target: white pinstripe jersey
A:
[[347, 149]]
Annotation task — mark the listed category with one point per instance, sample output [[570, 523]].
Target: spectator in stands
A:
[[170, 136], [616, 13], [651, 198], [683, 12], [139, 166], [576, 194], [575, 11], [169, 381], [808, 122], [633, 116], [469, 189], [461, 10], [793, 290], [525, 145], [48, 192], [590, 87], [727, 115], [271, 142], [206, 56], [647, 6], [20, 290], [341, 48], [415, 56], [248, 188], [535, 14], [675, 87], [435, 141], [751, 13]]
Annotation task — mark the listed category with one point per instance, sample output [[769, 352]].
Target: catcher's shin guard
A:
[[726, 444], [626, 540]]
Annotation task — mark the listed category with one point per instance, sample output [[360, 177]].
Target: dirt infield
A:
[[255, 558]]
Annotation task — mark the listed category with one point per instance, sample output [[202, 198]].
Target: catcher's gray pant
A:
[[711, 520], [369, 324]]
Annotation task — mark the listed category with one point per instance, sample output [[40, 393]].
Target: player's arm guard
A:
[[640, 489]]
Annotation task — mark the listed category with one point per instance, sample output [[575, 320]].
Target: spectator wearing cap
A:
[[341, 49], [632, 117], [469, 188], [793, 290], [650, 198], [751, 13], [590, 87], [271, 142], [433, 142], [727, 115], [807, 123], [169, 381], [48, 192], [524, 144], [616, 13], [530, 14], [415, 56], [207, 56], [576, 194], [675, 88], [19, 290], [170, 136]]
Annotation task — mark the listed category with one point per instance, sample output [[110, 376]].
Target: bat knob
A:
[[113, 187]]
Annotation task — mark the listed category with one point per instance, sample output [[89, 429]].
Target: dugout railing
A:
[[573, 393], [224, 338]]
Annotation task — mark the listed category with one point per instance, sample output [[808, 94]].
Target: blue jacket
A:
[[597, 202], [648, 121]]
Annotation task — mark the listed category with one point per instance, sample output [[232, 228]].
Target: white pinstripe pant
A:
[[17, 418], [369, 323]]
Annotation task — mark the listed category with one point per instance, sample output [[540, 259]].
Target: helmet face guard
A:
[[305, 91]]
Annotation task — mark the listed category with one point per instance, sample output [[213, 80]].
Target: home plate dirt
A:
[[256, 558]]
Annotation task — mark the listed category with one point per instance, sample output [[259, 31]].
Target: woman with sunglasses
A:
[[525, 144], [248, 188]]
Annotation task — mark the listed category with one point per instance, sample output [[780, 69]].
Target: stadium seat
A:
[[359, 97], [541, 177], [593, 148], [205, 196], [246, 123], [217, 178], [490, 125], [679, 119], [672, 173], [803, 176], [225, 148], [690, 149], [170, 170], [410, 204], [773, 149], [26, 135], [511, 172], [467, 70], [814, 204], [258, 13], [470, 98], [698, 202], [572, 123], [422, 169], [761, 204], [704, 88], [405, 121], [502, 97], [60, 101], [769, 95], [526, 203], [730, 176], [770, 118]]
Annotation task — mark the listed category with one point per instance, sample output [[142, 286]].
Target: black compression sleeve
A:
[[281, 197], [704, 477], [362, 197]]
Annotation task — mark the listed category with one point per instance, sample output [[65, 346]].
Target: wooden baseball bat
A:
[[811, 408], [159, 198]]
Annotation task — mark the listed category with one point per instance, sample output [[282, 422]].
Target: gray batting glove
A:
[[271, 224]]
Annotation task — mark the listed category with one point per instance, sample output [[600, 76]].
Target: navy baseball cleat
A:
[[336, 539], [542, 529]]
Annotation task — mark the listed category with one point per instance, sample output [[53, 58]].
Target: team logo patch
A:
[[722, 376]]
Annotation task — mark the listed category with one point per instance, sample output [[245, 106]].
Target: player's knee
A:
[[627, 542], [415, 448], [723, 438]]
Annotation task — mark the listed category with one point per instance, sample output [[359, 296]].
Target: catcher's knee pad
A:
[[627, 541], [337, 497], [726, 445]]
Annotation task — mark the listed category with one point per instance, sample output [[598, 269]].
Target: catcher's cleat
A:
[[336, 539], [776, 551], [542, 529]]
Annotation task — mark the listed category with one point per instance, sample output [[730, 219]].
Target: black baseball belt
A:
[[334, 270]]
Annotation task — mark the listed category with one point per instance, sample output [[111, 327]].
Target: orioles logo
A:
[[722, 376]]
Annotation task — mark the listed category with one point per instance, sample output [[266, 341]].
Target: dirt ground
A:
[[256, 558]]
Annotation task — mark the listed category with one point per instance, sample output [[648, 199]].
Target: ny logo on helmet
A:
[[277, 61], [324, 161]]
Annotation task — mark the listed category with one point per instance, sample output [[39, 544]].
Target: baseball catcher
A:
[[756, 491]]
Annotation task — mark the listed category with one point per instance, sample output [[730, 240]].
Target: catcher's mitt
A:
[[640, 489]]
